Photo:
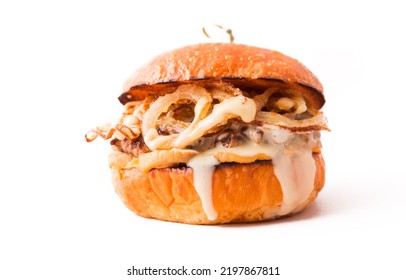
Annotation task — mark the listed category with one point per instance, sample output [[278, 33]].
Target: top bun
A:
[[245, 66]]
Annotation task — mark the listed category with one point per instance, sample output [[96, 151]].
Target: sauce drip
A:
[[292, 160], [203, 168]]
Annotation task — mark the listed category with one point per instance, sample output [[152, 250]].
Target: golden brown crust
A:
[[241, 192], [245, 66]]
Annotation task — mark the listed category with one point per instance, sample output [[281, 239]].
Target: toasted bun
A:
[[241, 192], [245, 66]]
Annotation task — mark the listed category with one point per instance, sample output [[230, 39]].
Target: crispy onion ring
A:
[[224, 91], [235, 107], [197, 94], [94, 133], [317, 122], [107, 133], [127, 132], [261, 99]]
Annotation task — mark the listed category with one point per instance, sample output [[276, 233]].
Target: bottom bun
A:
[[240, 192]]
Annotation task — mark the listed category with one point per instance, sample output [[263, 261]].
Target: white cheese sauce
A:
[[203, 168], [292, 160], [234, 106], [295, 172]]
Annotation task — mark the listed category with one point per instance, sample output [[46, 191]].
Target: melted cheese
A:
[[203, 168], [237, 106], [295, 172], [232, 107], [292, 160]]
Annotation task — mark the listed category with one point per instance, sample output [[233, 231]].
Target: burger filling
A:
[[202, 126]]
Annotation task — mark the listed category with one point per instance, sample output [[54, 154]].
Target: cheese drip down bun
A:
[[218, 133]]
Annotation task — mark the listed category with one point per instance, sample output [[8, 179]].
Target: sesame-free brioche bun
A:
[[244, 66], [240, 192]]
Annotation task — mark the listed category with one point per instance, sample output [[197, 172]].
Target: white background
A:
[[62, 65]]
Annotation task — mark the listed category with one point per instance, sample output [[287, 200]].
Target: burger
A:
[[218, 133]]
